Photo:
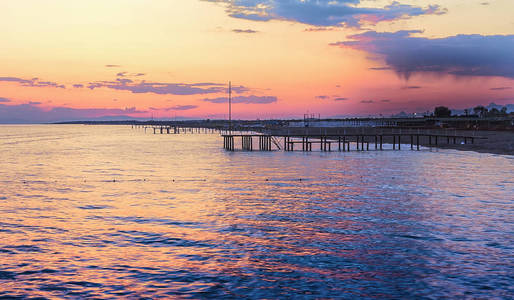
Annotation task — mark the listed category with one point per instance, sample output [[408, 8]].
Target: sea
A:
[[109, 212]]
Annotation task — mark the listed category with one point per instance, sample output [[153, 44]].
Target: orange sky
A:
[[98, 58]]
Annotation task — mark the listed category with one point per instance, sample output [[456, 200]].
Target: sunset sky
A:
[[71, 60]]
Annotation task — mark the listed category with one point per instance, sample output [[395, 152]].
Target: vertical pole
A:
[[230, 106], [394, 142], [381, 142], [412, 142], [399, 142], [417, 142]]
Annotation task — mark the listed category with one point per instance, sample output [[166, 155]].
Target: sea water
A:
[[111, 211]]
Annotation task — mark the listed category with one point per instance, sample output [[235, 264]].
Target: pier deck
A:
[[337, 142]]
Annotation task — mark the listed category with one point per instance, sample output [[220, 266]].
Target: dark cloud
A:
[[30, 113], [4, 100], [244, 99], [385, 100], [244, 31], [121, 74], [461, 55], [367, 101], [501, 88], [322, 13], [410, 87], [341, 99], [34, 82], [78, 86], [34, 102], [323, 97], [112, 66]]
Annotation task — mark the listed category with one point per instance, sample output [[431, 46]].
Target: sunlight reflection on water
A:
[[104, 211]]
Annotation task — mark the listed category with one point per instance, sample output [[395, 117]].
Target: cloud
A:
[[112, 66], [31, 113], [380, 68], [78, 86], [34, 82], [244, 99], [410, 87], [244, 31], [322, 13], [500, 88], [336, 98], [4, 100], [318, 29], [374, 102], [182, 107], [34, 102], [162, 88], [125, 74], [461, 55]]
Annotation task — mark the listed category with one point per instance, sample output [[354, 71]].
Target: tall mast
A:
[[230, 105]]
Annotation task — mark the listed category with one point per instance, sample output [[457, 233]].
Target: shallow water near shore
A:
[[109, 211]]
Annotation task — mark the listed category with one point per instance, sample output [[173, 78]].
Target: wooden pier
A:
[[347, 142], [172, 129]]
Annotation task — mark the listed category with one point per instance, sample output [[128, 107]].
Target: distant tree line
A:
[[479, 111]]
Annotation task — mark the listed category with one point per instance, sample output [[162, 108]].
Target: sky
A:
[[64, 60]]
